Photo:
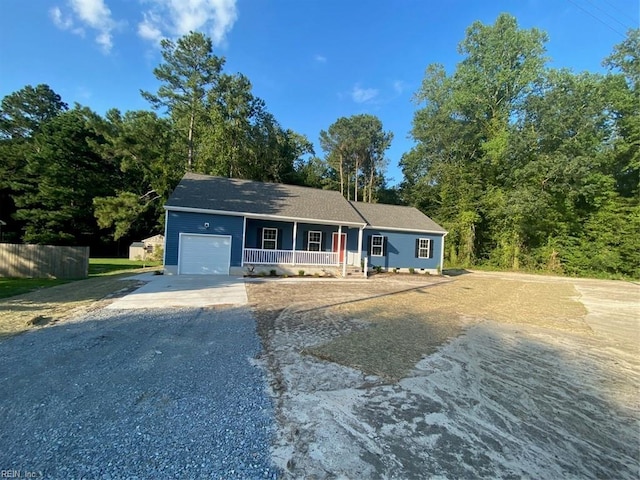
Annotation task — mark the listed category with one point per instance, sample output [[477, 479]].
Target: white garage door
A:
[[204, 254]]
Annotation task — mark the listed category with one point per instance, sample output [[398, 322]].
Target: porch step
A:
[[353, 271]]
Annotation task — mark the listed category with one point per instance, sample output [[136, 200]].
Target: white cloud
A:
[[89, 13], [399, 86], [59, 20], [169, 18], [362, 95], [320, 58], [148, 29]]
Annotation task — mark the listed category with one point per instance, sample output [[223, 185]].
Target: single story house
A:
[[217, 225], [146, 248]]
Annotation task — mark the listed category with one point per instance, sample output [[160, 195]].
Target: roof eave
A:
[[415, 230]]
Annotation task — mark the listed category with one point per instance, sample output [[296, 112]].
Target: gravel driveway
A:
[[137, 394]]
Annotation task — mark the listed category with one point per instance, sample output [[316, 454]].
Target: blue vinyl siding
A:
[[188, 222], [254, 235], [352, 239], [401, 250], [327, 231]]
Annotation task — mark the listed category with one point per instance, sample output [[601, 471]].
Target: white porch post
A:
[[339, 241], [344, 259], [442, 254], [244, 236], [295, 236], [360, 234]]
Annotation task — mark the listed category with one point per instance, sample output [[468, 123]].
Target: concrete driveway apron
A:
[[162, 291]]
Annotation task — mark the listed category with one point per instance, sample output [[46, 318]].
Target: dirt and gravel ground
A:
[[480, 375], [126, 394], [50, 305]]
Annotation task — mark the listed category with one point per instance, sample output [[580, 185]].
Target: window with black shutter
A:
[[377, 246], [423, 248], [269, 238], [314, 241]]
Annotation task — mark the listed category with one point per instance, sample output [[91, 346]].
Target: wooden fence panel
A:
[[43, 261]]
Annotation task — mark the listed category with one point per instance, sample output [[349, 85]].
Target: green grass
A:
[[10, 287], [110, 266], [98, 267]]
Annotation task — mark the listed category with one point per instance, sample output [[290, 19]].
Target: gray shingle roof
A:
[[396, 217], [292, 202], [258, 198]]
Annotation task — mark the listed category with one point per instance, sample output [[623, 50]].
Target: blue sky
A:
[[312, 61]]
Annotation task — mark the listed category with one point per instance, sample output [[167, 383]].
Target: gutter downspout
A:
[[164, 254], [442, 254]]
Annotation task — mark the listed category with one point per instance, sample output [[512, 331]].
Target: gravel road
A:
[[137, 394]]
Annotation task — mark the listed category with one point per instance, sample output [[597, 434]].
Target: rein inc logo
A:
[[20, 474]]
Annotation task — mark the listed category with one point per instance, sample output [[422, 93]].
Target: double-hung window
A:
[[269, 238], [314, 241], [424, 245], [377, 245]]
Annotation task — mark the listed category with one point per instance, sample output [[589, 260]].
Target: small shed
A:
[[147, 249]]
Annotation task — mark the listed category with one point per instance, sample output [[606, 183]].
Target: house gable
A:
[[200, 223]]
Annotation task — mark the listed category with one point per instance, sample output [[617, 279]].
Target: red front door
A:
[[343, 245]]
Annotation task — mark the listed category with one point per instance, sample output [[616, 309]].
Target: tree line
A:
[[527, 167], [70, 176]]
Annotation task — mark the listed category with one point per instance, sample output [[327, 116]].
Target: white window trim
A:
[[381, 246], [315, 242], [421, 248], [274, 240]]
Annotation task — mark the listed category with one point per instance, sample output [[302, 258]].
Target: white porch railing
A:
[[316, 258], [274, 257], [257, 255]]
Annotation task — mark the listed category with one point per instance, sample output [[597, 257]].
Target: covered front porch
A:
[[269, 242]]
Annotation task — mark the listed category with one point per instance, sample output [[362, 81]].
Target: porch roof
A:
[[246, 197], [396, 217]]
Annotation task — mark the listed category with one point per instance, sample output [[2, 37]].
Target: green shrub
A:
[[262, 274], [412, 270], [273, 272], [378, 269], [301, 273]]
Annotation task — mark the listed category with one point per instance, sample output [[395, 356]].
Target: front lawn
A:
[[10, 287], [98, 267], [109, 266]]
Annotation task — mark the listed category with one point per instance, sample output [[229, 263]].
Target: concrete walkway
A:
[[196, 291]]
